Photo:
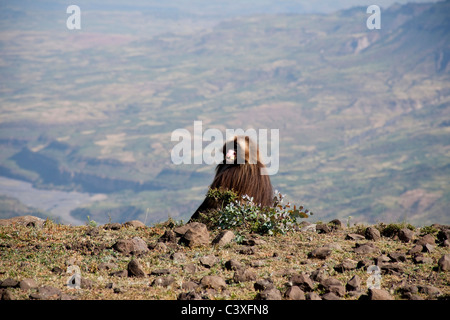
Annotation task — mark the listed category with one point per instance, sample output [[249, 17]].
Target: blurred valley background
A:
[[86, 115]]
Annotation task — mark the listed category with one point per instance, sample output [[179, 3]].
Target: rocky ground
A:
[[329, 261]]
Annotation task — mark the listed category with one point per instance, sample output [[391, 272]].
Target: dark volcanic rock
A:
[[189, 296], [346, 265], [354, 284], [372, 233], [168, 236], [9, 283], [213, 282], [163, 281], [243, 275], [320, 253], [444, 263], [263, 284], [379, 294], [397, 257], [365, 248], [223, 238], [294, 293], [193, 234], [233, 265], [131, 246], [302, 281], [354, 236], [135, 269], [406, 235], [208, 261], [322, 228], [269, 294]]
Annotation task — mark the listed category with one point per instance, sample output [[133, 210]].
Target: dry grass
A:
[[28, 252]]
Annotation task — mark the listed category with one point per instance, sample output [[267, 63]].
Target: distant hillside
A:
[[363, 114]]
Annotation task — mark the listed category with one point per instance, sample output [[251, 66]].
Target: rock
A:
[[208, 261], [160, 272], [330, 296], [319, 275], [134, 224], [444, 263], [27, 284], [397, 257], [421, 259], [416, 249], [294, 293], [428, 248], [431, 291], [118, 290], [365, 248], [354, 236], [163, 281], [112, 226], [135, 269], [372, 233], [86, 283], [379, 294], [189, 296], [6, 294], [28, 221], [9, 283], [178, 257], [364, 263], [408, 291], [333, 246], [313, 296], [257, 264], [168, 236], [325, 283], [381, 259], [405, 235], [426, 239], [107, 266], [92, 232], [213, 282], [269, 294], [46, 293], [193, 234], [391, 268], [190, 268], [332, 285], [354, 284], [302, 281], [346, 265], [223, 238], [309, 228], [121, 273], [253, 241], [248, 250], [233, 265], [443, 235], [322, 228], [320, 253], [263, 284], [160, 247], [337, 224], [133, 246], [244, 275], [339, 290], [189, 285]]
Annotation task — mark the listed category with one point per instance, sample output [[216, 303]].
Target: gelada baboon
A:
[[241, 171]]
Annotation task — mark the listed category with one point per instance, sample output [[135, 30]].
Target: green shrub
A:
[[243, 214]]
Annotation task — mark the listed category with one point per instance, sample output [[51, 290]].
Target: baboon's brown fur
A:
[[243, 176]]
